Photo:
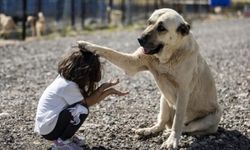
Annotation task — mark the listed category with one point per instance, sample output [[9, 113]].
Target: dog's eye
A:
[[160, 28]]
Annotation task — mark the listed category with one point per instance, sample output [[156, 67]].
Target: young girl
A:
[[63, 107]]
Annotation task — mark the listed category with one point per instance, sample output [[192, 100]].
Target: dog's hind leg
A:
[[205, 125], [163, 119]]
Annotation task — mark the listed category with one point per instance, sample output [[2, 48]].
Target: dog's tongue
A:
[[146, 50]]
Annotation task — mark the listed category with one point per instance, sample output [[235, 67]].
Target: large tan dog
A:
[[169, 51]]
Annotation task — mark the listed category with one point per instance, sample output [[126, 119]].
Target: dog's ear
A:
[[183, 29]]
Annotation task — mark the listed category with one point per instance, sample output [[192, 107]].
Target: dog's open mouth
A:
[[154, 50]]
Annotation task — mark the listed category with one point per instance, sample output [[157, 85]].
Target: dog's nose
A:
[[141, 41]]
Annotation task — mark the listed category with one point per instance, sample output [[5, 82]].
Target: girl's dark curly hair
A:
[[83, 68]]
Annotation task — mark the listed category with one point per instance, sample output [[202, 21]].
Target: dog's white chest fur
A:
[[165, 80]]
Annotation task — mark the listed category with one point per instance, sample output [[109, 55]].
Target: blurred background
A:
[[20, 19]]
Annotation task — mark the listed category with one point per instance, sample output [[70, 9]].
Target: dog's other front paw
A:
[[171, 143], [143, 131], [86, 45], [150, 131], [166, 133]]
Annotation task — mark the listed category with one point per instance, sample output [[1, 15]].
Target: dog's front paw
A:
[[86, 45], [166, 133], [171, 143], [150, 131], [143, 131]]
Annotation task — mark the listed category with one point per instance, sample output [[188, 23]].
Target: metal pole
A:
[[111, 4], [83, 9], [128, 10], [123, 9], [110, 7], [73, 13], [39, 8], [161, 3], [1, 6], [156, 4], [146, 9], [24, 19]]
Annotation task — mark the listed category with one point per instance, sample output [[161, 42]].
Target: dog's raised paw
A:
[[83, 44], [86, 46]]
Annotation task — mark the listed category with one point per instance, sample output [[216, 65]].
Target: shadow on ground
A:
[[222, 140], [86, 147], [95, 148]]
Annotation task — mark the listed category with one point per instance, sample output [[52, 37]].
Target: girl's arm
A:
[[102, 92]]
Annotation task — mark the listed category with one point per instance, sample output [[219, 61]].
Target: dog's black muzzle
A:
[[149, 48]]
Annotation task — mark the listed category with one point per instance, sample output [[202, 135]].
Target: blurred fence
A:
[[62, 9], [75, 13], [81, 13]]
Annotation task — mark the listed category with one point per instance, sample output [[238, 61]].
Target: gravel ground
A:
[[27, 68]]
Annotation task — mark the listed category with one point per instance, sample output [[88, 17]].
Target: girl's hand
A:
[[103, 91], [107, 85]]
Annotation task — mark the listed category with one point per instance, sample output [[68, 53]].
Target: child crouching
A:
[[63, 106]]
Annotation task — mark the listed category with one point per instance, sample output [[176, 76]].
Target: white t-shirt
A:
[[57, 96]]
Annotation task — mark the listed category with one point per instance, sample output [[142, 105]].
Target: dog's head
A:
[[165, 28]]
